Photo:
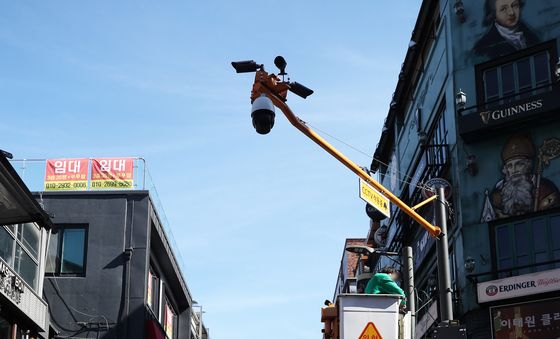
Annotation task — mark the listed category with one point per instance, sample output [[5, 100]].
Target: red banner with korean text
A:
[[530, 320], [66, 175], [112, 173]]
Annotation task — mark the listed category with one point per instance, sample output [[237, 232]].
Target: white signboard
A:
[[519, 286]]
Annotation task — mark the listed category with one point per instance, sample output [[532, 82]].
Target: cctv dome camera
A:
[[263, 114]]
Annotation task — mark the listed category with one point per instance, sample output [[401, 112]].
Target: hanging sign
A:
[[374, 198], [66, 175], [430, 187], [112, 173]]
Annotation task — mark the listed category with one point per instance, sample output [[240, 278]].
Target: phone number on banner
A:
[[111, 184], [66, 186]]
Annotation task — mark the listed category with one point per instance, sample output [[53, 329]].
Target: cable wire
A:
[[409, 182], [92, 316]]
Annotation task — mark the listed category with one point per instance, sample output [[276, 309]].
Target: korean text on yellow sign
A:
[[374, 198]]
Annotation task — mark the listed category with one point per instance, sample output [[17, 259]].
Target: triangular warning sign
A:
[[370, 332]]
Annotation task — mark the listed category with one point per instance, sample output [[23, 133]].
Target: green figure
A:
[[383, 282]]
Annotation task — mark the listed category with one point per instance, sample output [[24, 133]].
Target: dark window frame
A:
[[58, 265], [17, 237], [155, 307], [549, 46], [168, 302], [529, 220]]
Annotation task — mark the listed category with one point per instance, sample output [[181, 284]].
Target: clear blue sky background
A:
[[260, 220]]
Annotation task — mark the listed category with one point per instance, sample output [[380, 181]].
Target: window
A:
[[437, 152], [153, 292], [528, 242], [67, 251], [169, 320], [517, 79], [19, 248]]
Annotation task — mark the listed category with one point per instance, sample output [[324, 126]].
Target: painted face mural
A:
[[522, 188], [507, 13], [506, 33]]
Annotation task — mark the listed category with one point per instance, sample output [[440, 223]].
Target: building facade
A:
[[111, 271], [476, 104], [24, 230]]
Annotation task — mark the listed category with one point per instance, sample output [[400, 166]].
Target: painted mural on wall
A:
[[506, 31], [522, 188]]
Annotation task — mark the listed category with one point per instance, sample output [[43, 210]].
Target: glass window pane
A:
[[73, 247], [555, 232], [11, 228], [169, 321], [522, 245], [29, 235], [542, 73], [6, 247], [491, 83], [542, 257], [151, 290], [26, 267], [508, 80], [52, 255], [524, 260], [524, 74], [540, 242], [503, 239]]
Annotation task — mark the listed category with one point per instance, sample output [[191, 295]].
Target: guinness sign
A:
[[472, 125], [496, 115]]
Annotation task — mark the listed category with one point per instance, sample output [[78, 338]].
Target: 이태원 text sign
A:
[[112, 173], [66, 174], [530, 320]]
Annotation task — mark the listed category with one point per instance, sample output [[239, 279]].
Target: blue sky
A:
[[260, 220]]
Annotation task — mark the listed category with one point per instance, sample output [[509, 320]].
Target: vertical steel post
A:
[[445, 291], [409, 290], [200, 324]]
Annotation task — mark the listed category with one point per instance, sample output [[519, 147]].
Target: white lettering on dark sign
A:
[[500, 114]]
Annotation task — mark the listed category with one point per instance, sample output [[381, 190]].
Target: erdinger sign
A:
[[519, 286]]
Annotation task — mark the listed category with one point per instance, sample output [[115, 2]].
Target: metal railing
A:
[[33, 171], [510, 98]]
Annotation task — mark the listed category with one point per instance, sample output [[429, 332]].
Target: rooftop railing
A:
[[33, 172]]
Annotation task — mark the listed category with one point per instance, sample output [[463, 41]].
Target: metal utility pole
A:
[[200, 324], [270, 90], [408, 284], [445, 291]]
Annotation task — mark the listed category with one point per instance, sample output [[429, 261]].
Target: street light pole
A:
[[445, 291], [200, 322], [266, 85], [408, 284]]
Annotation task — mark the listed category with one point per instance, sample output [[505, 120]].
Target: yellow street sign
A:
[[374, 198], [370, 332]]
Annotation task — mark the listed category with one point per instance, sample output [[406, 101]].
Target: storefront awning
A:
[[17, 205]]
